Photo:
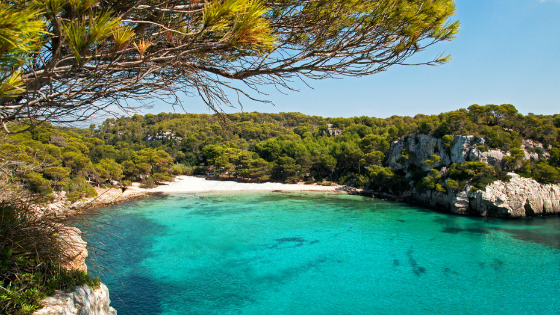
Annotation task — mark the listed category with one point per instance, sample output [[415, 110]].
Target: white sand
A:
[[191, 184]]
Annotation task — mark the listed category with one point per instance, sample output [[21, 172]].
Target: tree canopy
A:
[[65, 60]]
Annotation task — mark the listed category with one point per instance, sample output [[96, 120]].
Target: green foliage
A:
[[291, 144], [20, 36], [433, 160], [557, 121], [513, 161], [545, 173], [29, 260], [84, 34], [108, 170], [79, 188], [555, 157], [37, 184], [405, 156], [478, 173], [453, 184], [386, 179], [447, 140], [482, 148]]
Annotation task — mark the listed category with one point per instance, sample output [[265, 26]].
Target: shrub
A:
[[182, 169], [79, 188], [452, 184], [387, 179], [545, 173], [447, 140], [478, 173], [30, 260], [161, 177], [37, 184], [148, 183], [361, 180], [434, 159]]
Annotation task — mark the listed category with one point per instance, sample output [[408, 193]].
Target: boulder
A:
[[82, 300], [73, 249]]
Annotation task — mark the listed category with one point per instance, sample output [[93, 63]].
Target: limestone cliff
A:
[[461, 149], [517, 198], [83, 300]]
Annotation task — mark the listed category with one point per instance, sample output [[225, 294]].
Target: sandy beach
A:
[[191, 184], [60, 207]]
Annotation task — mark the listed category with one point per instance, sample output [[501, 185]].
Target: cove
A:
[[279, 253]]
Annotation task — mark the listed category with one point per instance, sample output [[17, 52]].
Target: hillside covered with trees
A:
[[285, 147]]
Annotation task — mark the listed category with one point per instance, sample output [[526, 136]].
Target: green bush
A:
[[479, 174], [29, 260], [434, 159], [440, 188], [387, 179], [482, 148], [37, 184], [447, 140], [182, 169], [148, 183], [78, 188], [545, 173], [452, 184]]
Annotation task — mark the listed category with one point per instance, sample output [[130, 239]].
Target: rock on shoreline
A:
[[520, 197], [83, 300]]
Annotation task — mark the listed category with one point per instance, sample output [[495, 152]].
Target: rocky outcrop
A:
[[83, 300], [520, 197], [517, 198], [331, 131], [463, 148], [73, 249]]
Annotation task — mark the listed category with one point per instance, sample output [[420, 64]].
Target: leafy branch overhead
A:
[[65, 60]]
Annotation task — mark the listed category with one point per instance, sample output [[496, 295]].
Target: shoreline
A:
[[194, 184], [184, 184]]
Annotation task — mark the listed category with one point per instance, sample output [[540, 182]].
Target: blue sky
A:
[[507, 52]]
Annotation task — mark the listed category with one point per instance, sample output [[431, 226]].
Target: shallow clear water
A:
[[275, 253]]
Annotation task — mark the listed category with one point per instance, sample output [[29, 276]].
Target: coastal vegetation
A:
[[285, 147], [30, 259]]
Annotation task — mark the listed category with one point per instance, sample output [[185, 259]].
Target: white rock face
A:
[[83, 300], [463, 148], [520, 197], [517, 198]]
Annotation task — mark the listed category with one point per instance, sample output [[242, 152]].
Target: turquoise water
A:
[[275, 253]]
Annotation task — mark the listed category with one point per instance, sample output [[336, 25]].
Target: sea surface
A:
[[323, 254]]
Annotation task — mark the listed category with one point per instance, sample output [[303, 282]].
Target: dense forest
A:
[[285, 147]]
